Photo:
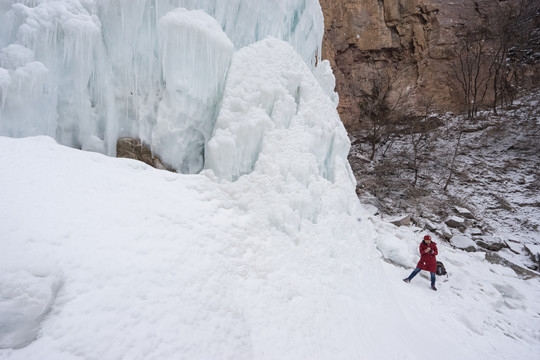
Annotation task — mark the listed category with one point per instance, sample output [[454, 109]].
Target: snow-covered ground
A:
[[106, 258]]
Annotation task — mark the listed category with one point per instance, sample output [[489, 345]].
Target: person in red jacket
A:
[[428, 261]]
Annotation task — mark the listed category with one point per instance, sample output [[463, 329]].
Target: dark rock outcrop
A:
[[135, 149]]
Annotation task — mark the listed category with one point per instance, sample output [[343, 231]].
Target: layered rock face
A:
[[407, 40]]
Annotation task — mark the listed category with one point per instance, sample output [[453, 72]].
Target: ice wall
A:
[[298, 22], [97, 70]]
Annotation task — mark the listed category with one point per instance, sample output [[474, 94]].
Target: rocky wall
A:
[[410, 40]]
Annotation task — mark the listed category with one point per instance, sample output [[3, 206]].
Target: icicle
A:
[[5, 80]]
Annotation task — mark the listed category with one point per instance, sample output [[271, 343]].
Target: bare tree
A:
[[524, 47], [499, 69], [421, 134], [382, 106], [458, 128], [453, 161], [469, 72], [514, 36]]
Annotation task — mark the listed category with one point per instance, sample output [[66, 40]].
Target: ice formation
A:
[[277, 123], [271, 92], [98, 70], [193, 86]]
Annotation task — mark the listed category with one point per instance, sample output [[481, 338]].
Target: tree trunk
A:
[[452, 163]]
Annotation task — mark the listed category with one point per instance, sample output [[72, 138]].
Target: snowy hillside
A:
[[107, 258], [259, 250], [495, 182]]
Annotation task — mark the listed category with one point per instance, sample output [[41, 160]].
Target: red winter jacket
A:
[[428, 261]]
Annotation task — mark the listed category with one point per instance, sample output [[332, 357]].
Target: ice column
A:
[[77, 122], [196, 54]]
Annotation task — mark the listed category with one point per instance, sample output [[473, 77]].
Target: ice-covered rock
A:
[[491, 246]]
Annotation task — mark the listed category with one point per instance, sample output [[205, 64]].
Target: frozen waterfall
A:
[[97, 70]]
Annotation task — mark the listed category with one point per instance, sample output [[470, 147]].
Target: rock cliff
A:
[[408, 40]]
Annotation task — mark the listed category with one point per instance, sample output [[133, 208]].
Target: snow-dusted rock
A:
[[134, 149], [534, 252], [496, 246], [401, 221], [445, 232], [371, 209], [475, 232], [430, 226], [463, 242], [455, 222], [464, 212]]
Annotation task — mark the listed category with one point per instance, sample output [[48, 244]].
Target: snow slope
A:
[[107, 258]]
